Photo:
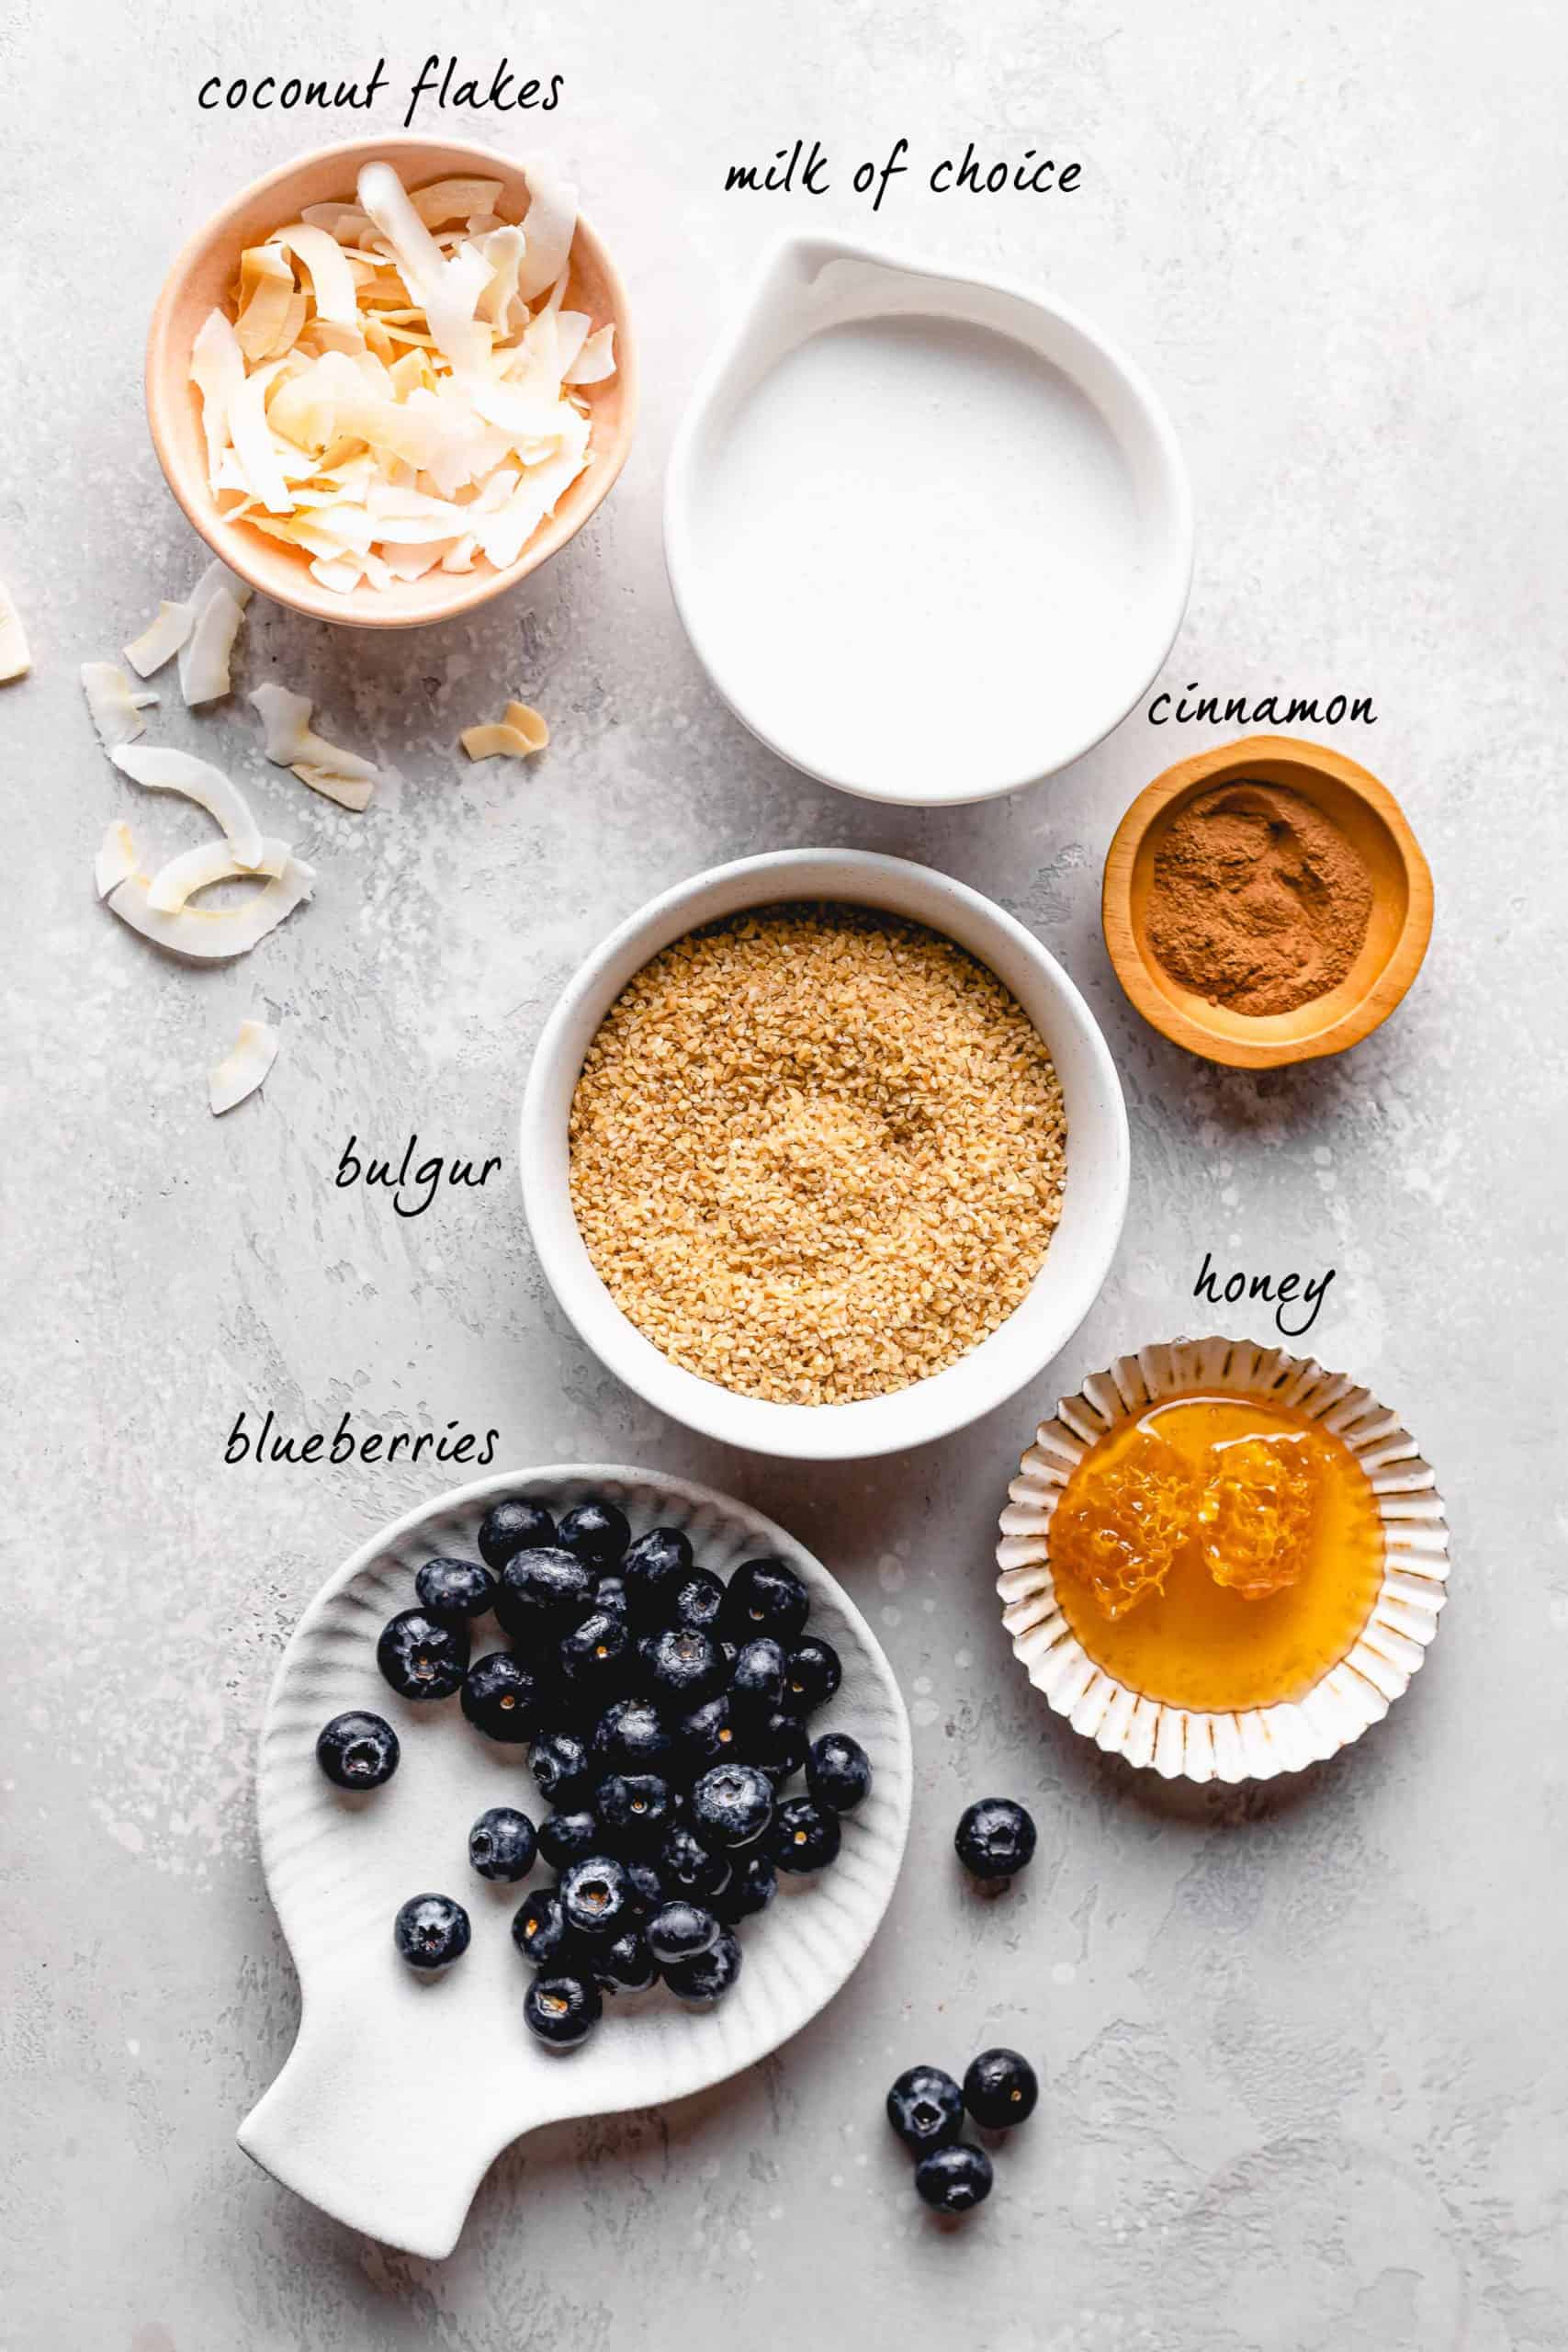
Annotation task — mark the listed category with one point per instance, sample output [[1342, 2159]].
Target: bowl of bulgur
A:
[[823, 1154]]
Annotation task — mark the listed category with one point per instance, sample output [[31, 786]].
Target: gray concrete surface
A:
[[1303, 2048]]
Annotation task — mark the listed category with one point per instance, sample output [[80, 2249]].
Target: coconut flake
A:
[[163, 769], [548, 225], [289, 742], [217, 371], [595, 360], [243, 1068], [198, 869], [161, 640], [117, 712], [15, 659], [203, 656], [521, 733], [116, 858], [214, 935]]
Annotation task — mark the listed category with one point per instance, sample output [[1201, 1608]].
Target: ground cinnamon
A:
[[1258, 901]]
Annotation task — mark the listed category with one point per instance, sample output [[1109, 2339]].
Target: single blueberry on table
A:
[[680, 1932], [566, 1838], [543, 1592], [708, 1733], [757, 1677], [1000, 2089], [812, 1674], [637, 1808], [698, 1601], [925, 2107], [703, 1983], [599, 1898], [562, 2008], [513, 1524], [683, 1666], [838, 1771], [358, 1750], [431, 1930], [596, 1657], [502, 1844], [539, 1928], [628, 1965], [750, 1889], [688, 1867], [994, 1838], [631, 1736], [953, 2179], [455, 1587], [731, 1805], [654, 1570], [766, 1595], [422, 1656], [596, 1531], [805, 1837], [500, 1698], [559, 1763]]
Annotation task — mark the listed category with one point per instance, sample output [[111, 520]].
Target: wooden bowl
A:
[[200, 280], [1401, 925]]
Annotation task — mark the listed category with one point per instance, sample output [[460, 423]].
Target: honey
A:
[[1217, 1552]]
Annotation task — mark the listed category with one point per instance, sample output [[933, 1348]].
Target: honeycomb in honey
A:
[[1121, 1538], [1255, 1514]]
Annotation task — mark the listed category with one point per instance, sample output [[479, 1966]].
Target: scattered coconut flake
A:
[[203, 656], [243, 1068], [198, 869], [163, 769], [117, 712], [213, 935], [289, 742], [116, 858], [517, 736], [15, 659], [161, 640]]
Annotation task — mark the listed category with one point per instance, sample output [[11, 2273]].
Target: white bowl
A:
[[930, 536], [398, 2095], [1081, 1251]]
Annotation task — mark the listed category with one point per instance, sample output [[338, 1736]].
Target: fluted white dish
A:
[[1252, 1743], [399, 2092]]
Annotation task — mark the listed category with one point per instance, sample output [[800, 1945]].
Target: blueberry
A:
[[430, 1931], [596, 1657], [598, 1899], [925, 2107], [757, 1677], [805, 1835], [502, 1844], [558, 1761], [610, 1595], [731, 1805], [512, 1525], [688, 1867], [357, 1751], [596, 1531], [500, 1698], [698, 1601], [680, 1931], [953, 2180], [628, 1965], [422, 1656], [566, 1838], [703, 1983], [812, 1675], [543, 1590], [455, 1587], [637, 1808], [647, 1883], [707, 1735], [683, 1666], [766, 1597], [838, 1771], [562, 2008], [994, 1838], [539, 1929], [630, 1736], [1000, 2089], [655, 1569], [778, 1746], [752, 1889]]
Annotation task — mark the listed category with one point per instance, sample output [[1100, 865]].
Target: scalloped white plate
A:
[[398, 2094], [1253, 1743]]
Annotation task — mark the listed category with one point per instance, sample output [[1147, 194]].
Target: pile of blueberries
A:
[[664, 1713]]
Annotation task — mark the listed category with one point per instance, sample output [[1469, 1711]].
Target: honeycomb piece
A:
[[1256, 1513], [1121, 1534]]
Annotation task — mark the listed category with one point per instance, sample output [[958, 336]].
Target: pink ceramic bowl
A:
[[200, 280]]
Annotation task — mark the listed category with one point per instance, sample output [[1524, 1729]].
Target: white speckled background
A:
[[1304, 2049]]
